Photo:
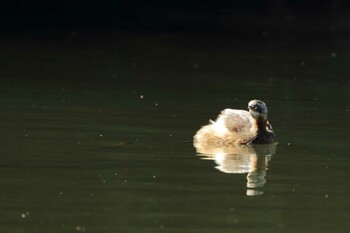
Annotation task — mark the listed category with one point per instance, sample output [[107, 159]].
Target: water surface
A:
[[95, 137]]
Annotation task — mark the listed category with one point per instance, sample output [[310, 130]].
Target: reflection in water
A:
[[251, 159]]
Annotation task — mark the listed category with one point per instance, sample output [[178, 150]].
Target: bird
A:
[[233, 127]]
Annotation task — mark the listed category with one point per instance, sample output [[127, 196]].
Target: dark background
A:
[[158, 41], [180, 15]]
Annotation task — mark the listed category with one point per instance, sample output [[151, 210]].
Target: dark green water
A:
[[92, 135]]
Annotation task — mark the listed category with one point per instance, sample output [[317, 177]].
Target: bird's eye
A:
[[256, 108]]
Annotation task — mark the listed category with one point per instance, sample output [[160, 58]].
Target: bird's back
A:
[[231, 126]]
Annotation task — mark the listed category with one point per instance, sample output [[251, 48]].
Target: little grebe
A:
[[234, 126]]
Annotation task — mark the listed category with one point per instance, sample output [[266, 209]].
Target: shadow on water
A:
[[239, 159]]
